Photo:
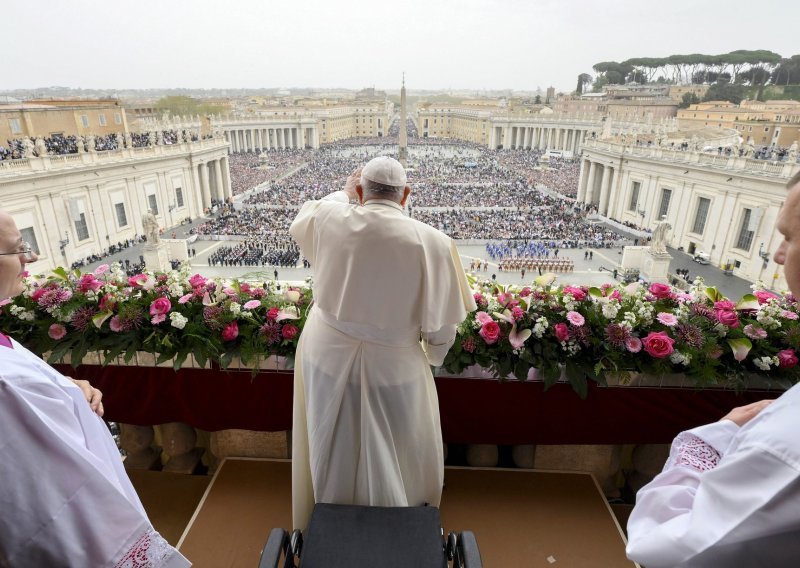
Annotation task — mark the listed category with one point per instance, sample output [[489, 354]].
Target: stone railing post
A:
[[137, 441], [179, 441]]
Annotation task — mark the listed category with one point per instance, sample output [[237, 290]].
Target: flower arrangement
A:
[[585, 333], [592, 333], [169, 314]]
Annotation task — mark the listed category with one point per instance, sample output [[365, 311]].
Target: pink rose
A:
[[160, 306], [615, 295], [660, 291], [102, 269], [578, 294], [89, 282], [763, 296], [482, 318], [185, 298], [658, 344], [197, 280], [230, 331], [244, 287], [575, 319], [525, 292], [728, 318], [724, 305], [272, 313], [787, 359], [138, 280], [633, 344], [57, 331], [490, 331], [562, 332], [289, 331]]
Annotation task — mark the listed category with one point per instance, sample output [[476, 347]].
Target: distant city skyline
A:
[[463, 45]]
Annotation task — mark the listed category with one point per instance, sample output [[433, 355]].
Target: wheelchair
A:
[[353, 536]]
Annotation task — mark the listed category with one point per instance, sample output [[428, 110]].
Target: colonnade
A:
[[597, 182], [257, 139], [213, 180], [538, 137]]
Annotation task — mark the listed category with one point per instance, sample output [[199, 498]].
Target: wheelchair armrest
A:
[[277, 543]]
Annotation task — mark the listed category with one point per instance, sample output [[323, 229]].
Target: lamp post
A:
[[765, 255], [62, 244]]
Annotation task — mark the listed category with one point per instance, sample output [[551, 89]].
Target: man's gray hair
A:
[[374, 187]]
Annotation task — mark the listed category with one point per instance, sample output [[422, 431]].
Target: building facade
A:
[[49, 117], [772, 123], [73, 206], [724, 206]]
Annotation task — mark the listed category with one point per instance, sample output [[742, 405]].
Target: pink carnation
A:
[[578, 294], [480, 301], [525, 292], [157, 319], [763, 296], [251, 304], [102, 269], [197, 280], [185, 298], [575, 318], [659, 290], [658, 344], [633, 344], [483, 318], [115, 324], [230, 331], [57, 331], [667, 319], [786, 314], [517, 313]]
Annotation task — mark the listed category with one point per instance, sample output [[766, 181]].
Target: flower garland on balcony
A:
[[584, 333]]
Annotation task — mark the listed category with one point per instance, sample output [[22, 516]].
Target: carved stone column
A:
[[179, 444]]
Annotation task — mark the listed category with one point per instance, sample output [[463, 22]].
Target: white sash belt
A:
[[369, 333]]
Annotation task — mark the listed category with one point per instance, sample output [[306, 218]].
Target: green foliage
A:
[[726, 92], [183, 105], [688, 99]]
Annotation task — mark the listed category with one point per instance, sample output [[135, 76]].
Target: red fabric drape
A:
[[479, 411]]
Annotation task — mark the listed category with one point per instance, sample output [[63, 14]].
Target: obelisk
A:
[[403, 130]]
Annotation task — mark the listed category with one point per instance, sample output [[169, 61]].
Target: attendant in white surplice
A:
[[65, 499], [729, 494], [388, 292]]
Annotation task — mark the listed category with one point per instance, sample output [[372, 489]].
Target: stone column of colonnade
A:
[[605, 184], [205, 188]]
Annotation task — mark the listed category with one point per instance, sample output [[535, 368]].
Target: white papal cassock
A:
[[65, 499], [366, 425], [728, 497]]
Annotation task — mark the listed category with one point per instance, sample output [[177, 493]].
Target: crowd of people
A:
[[58, 144], [248, 222], [278, 250]]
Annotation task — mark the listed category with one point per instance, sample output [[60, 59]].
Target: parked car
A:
[[702, 258]]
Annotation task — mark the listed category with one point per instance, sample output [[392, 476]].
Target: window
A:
[[15, 127], [81, 228], [102, 119], [766, 129], [634, 201], [746, 231], [700, 216], [117, 118], [85, 121], [29, 236], [179, 197], [122, 218], [151, 200], [666, 195]]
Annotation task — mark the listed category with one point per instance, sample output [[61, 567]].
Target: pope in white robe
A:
[[388, 294]]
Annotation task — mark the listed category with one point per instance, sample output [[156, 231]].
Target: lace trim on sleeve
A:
[[150, 551], [690, 451]]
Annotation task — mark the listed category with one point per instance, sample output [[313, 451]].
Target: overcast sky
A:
[[440, 44]]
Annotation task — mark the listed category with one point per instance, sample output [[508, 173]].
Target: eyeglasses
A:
[[26, 251]]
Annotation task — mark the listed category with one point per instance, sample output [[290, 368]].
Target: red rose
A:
[[787, 359], [577, 293], [230, 331], [490, 331], [658, 344], [272, 313], [659, 290], [728, 317], [562, 332], [289, 331]]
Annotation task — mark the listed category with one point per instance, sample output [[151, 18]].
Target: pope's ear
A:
[[406, 193], [360, 192]]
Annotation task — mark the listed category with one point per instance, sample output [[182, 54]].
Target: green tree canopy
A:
[[182, 105]]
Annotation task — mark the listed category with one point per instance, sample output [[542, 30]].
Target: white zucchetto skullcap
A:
[[385, 170]]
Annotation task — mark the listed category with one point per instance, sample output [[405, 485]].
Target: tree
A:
[[688, 99], [182, 105], [787, 72], [583, 80], [537, 100], [725, 92]]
